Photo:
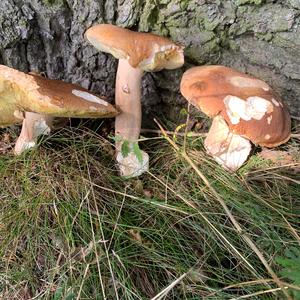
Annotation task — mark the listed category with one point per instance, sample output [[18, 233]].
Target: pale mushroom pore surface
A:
[[228, 149], [19, 114], [163, 57]]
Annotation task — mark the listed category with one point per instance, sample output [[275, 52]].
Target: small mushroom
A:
[[35, 100], [244, 109], [137, 52]]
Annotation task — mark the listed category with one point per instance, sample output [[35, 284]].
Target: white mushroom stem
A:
[[128, 122], [33, 126], [228, 149]]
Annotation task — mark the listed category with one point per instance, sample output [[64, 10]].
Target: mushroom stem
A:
[[128, 122], [128, 99], [228, 149], [33, 126]]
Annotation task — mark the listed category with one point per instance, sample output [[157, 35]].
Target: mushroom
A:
[[35, 100], [243, 108], [137, 52]]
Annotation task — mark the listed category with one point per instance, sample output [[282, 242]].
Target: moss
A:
[[53, 2], [265, 37], [149, 16], [256, 2], [290, 40], [210, 25], [294, 3], [233, 45], [184, 4], [203, 54], [179, 20]]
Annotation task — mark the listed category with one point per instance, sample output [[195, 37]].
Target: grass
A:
[[70, 228]]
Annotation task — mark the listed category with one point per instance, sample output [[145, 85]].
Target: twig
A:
[[168, 132], [190, 134], [295, 135], [252, 282], [81, 286], [260, 293], [228, 212], [194, 134], [241, 284], [117, 220], [186, 127], [165, 291]]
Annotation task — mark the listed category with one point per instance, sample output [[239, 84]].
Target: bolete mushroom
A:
[[137, 52], [35, 100], [244, 109]]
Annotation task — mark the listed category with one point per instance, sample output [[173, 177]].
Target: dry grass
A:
[[70, 228]]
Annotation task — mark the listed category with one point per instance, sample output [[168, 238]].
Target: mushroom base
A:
[[228, 149], [130, 166], [33, 126]]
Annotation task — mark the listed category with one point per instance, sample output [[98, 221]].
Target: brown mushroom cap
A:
[[146, 51], [248, 105], [27, 92]]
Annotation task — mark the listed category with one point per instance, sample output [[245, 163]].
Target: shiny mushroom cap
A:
[[21, 92], [248, 105], [146, 51]]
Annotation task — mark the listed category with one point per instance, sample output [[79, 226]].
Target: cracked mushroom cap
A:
[[146, 51], [249, 106], [21, 92]]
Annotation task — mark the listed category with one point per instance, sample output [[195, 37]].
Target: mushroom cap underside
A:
[[26, 92], [248, 105], [146, 51]]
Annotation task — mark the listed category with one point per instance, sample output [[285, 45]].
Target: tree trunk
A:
[[261, 37]]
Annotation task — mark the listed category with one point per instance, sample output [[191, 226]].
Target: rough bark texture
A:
[[261, 37]]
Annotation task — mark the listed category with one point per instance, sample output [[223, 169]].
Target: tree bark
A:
[[260, 37]]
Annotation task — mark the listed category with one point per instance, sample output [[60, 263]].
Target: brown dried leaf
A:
[[148, 193], [277, 157], [134, 234]]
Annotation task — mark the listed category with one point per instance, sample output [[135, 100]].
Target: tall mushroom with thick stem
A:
[[244, 109], [35, 100], [137, 52]]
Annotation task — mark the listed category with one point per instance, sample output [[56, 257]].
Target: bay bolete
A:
[[35, 100], [244, 109], [137, 52]]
